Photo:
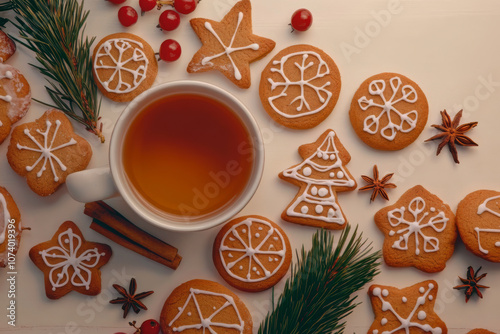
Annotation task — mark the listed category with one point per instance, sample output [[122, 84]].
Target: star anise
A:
[[378, 186], [470, 284], [453, 133], [130, 299]]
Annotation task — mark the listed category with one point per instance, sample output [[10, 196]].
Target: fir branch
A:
[[318, 295], [54, 31]]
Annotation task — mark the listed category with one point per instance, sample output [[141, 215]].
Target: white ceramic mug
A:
[[101, 183]]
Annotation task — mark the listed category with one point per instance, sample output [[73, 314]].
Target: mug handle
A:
[[91, 185]]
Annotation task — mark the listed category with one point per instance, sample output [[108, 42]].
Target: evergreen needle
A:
[[319, 294], [54, 31]]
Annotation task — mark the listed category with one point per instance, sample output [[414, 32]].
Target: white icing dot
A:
[[431, 286], [325, 156], [276, 259], [307, 171], [497, 244], [260, 228], [258, 272], [214, 308], [231, 239], [404, 299], [275, 238], [332, 157], [270, 259], [257, 235], [323, 192], [421, 290], [331, 213], [431, 297], [254, 269], [383, 321], [319, 154], [244, 230], [189, 314], [391, 233], [241, 267], [304, 209], [375, 331], [422, 315], [180, 309], [340, 174], [230, 255], [332, 174], [376, 292], [433, 209], [319, 209], [314, 191], [385, 293]]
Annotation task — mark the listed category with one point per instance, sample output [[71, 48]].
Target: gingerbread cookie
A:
[[204, 306], [252, 253], [409, 310], [320, 176], [124, 66], [7, 47], [46, 151], [478, 222], [15, 98], [10, 227], [480, 331], [300, 86], [229, 46], [419, 231], [70, 263], [388, 111]]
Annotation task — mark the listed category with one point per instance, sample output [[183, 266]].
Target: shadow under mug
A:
[[102, 183]]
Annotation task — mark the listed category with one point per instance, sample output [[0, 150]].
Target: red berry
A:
[[169, 20], [185, 6], [301, 19], [116, 2], [127, 16], [147, 5], [150, 326], [170, 50]]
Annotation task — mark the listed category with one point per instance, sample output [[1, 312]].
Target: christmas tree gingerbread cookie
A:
[[478, 222], [201, 306], [419, 231], [320, 176], [300, 86], [409, 310], [46, 151], [124, 66], [252, 253], [229, 46], [388, 111]]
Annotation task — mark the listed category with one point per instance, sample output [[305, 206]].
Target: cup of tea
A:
[[184, 155]]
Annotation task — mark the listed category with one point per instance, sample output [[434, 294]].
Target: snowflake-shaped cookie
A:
[[69, 262], [419, 231], [409, 310], [47, 151]]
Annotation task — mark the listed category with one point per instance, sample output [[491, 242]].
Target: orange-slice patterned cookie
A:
[[409, 310], [201, 306], [252, 253]]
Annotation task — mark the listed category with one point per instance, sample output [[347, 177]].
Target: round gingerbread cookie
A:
[[201, 306], [480, 331], [252, 253], [388, 111], [7, 47], [10, 224], [124, 66], [478, 222], [300, 86]]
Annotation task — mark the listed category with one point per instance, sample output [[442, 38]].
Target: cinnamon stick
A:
[[113, 235], [112, 218]]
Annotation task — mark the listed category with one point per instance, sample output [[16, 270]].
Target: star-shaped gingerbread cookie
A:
[[409, 310], [229, 46], [69, 262]]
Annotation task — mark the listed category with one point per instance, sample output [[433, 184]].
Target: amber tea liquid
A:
[[188, 155]]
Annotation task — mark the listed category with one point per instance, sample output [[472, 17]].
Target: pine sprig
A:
[[54, 31], [319, 294]]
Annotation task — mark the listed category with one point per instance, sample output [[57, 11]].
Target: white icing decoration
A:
[[6, 217], [65, 255], [340, 175], [405, 323], [482, 208], [323, 192], [416, 226], [383, 321], [319, 209], [322, 94], [307, 171], [7, 98], [404, 299], [408, 95], [304, 209], [257, 235], [309, 195], [189, 314], [230, 255], [421, 290], [46, 150], [332, 174], [206, 323], [385, 292], [228, 50], [137, 57], [250, 251]]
